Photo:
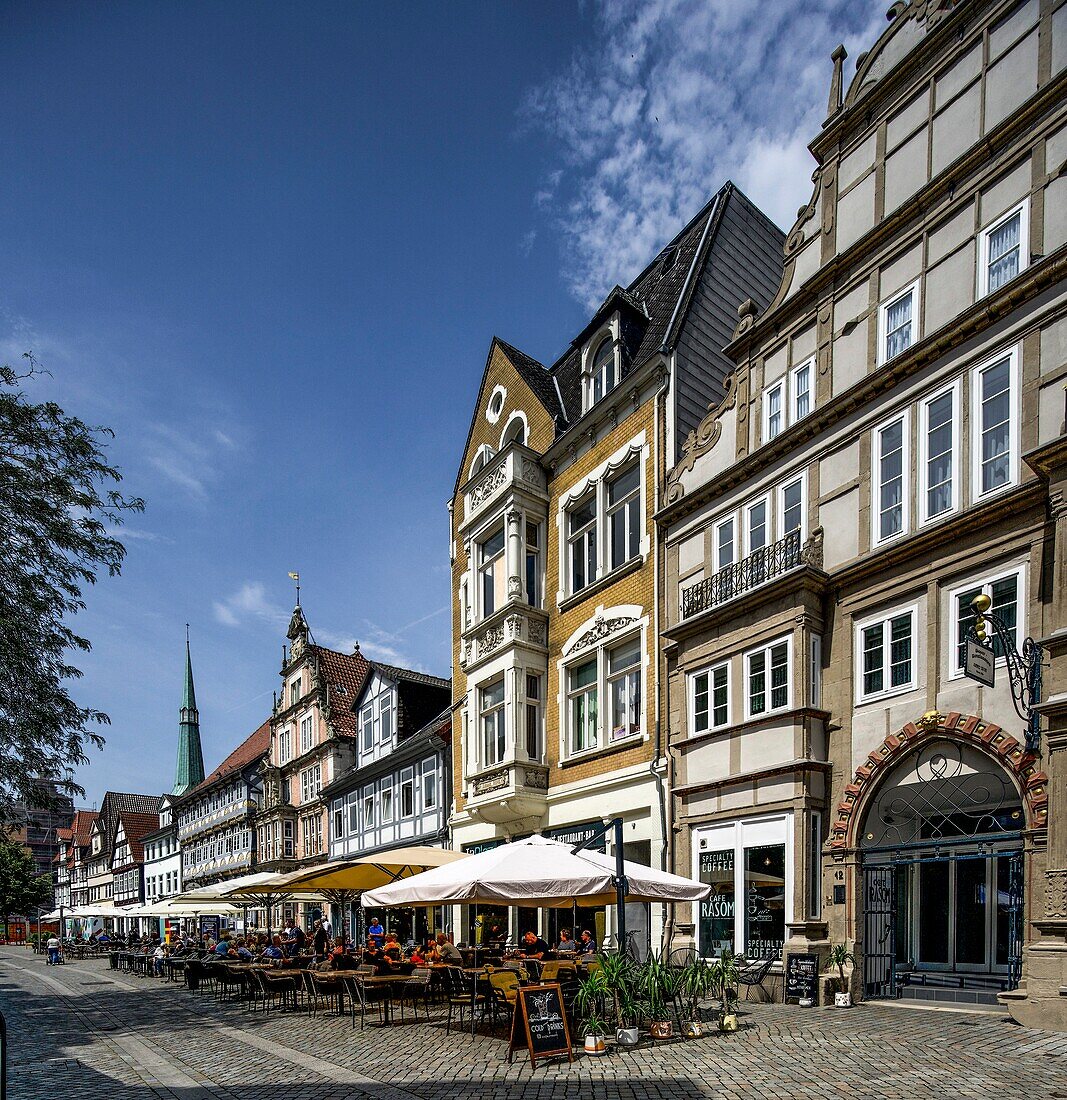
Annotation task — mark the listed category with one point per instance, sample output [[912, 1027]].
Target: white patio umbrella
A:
[[535, 872]]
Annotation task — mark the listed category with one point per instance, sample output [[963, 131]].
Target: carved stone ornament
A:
[[490, 639], [538, 632], [536, 778], [931, 720], [1056, 895], [489, 485], [701, 439], [601, 628], [494, 781], [812, 551]]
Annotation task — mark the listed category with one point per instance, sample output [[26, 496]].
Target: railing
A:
[[758, 568]]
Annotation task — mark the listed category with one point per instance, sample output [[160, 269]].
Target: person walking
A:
[[53, 951]]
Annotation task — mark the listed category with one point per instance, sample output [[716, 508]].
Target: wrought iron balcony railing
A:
[[758, 568]]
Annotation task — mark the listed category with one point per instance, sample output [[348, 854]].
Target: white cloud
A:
[[250, 604], [669, 100]]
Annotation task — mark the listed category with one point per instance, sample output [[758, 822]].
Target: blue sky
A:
[[269, 244]]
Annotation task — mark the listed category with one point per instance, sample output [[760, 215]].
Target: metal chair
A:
[[415, 988], [754, 974]]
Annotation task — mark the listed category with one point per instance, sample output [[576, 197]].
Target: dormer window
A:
[[602, 374]]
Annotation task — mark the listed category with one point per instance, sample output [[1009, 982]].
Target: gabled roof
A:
[[249, 750], [407, 675], [536, 377], [136, 826], [343, 675]]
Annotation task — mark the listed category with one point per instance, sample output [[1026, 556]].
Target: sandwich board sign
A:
[[979, 662], [540, 1023]]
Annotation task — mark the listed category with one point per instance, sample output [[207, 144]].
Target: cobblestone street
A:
[[83, 1030]]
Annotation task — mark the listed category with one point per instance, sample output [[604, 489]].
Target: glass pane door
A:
[[933, 910], [972, 891]]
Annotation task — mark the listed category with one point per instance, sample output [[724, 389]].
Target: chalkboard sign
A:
[[540, 1023], [802, 978]]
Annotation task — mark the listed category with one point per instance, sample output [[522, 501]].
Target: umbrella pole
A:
[[620, 886]]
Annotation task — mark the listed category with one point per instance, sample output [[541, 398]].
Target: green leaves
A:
[[58, 511], [21, 890]]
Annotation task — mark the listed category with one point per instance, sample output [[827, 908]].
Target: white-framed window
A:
[[483, 456], [802, 397], [624, 515], [491, 715], [898, 324], [535, 737], [385, 802], [429, 785], [749, 866], [709, 698], [366, 724], [624, 689], [1006, 592], [885, 654], [407, 793], [768, 679], [385, 706], [307, 733], [582, 541], [353, 816], [491, 572], [582, 695], [1004, 249], [724, 540], [603, 375], [310, 783], [757, 525], [368, 808], [285, 745], [533, 564], [294, 692], [339, 823], [889, 479], [792, 507], [773, 411], [995, 424], [311, 829], [939, 454]]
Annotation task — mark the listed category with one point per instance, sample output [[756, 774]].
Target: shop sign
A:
[[579, 834], [802, 978], [539, 1023], [979, 662], [481, 846]]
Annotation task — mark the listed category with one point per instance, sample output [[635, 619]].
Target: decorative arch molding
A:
[[606, 623], [517, 417], [990, 739]]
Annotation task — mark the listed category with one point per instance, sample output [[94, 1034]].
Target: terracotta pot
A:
[[662, 1029], [595, 1044]]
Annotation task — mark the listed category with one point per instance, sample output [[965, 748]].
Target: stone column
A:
[[514, 554]]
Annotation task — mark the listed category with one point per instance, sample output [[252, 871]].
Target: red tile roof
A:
[[249, 750], [80, 826], [344, 674], [136, 826]]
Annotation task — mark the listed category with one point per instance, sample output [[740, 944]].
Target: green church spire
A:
[[190, 769]]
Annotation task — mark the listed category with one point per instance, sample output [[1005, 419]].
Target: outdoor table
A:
[[384, 980]]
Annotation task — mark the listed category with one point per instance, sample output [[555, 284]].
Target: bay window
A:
[[534, 717], [491, 570], [767, 678], [491, 712], [533, 564]]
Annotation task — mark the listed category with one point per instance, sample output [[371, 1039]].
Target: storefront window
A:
[[717, 910], [764, 901]]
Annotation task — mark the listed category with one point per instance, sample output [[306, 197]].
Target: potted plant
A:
[[696, 983], [589, 1004], [620, 974], [839, 957], [727, 972], [656, 985]]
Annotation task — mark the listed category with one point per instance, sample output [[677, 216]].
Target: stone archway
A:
[[989, 738]]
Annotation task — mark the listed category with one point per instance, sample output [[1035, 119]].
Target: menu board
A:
[[540, 1023], [802, 978]]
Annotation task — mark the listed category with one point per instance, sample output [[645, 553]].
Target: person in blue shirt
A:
[[376, 931], [274, 951], [243, 953], [222, 948]]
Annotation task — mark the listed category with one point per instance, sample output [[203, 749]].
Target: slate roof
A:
[[251, 748], [536, 377], [392, 672], [344, 674], [132, 803]]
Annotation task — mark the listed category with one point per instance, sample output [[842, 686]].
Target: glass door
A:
[[933, 913], [971, 947]]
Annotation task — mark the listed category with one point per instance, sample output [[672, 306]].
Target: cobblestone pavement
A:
[[84, 1031]]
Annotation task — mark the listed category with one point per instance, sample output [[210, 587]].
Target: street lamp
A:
[[1024, 668]]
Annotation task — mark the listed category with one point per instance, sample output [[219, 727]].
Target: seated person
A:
[[243, 953], [295, 942], [533, 947], [417, 957], [586, 944], [373, 956], [274, 951], [566, 946], [447, 952], [392, 949], [222, 948], [341, 958], [497, 936], [158, 955]]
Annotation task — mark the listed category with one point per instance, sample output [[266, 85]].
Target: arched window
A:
[[602, 375], [515, 432], [482, 459]]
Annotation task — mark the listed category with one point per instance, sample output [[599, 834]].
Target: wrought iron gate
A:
[[879, 922], [1015, 919]]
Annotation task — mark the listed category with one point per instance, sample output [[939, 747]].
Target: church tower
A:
[[189, 772]]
